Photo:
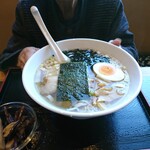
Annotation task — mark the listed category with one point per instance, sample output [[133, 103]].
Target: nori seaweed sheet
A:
[[73, 82]]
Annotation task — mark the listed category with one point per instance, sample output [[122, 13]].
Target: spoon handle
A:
[[58, 53]]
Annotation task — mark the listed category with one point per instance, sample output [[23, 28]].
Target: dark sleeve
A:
[[16, 43], [120, 29]]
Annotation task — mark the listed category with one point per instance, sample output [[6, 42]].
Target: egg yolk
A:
[[107, 70]]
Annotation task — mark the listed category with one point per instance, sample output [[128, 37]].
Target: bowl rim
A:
[[32, 132], [82, 114]]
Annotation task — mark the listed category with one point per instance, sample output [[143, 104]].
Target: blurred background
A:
[[137, 12]]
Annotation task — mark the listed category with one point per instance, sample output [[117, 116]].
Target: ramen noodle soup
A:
[[90, 82]]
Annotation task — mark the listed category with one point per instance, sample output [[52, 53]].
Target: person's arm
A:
[[120, 29], [17, 42]]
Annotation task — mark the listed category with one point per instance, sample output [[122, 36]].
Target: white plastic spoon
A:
[[61, 58]]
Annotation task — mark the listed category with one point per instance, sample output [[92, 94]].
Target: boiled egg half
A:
[[108, 72]]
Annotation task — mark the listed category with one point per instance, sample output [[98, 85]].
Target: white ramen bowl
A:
[[124, 58]]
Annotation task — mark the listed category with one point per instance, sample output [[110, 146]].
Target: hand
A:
[[24, 55], [116, 42]]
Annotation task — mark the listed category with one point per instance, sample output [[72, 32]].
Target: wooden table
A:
[[2, 76]]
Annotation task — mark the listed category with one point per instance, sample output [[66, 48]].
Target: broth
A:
[[103, 92]]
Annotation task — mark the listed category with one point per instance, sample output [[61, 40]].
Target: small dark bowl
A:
[[28, 111]]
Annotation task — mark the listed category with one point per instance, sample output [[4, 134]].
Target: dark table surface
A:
[[126, 129]]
